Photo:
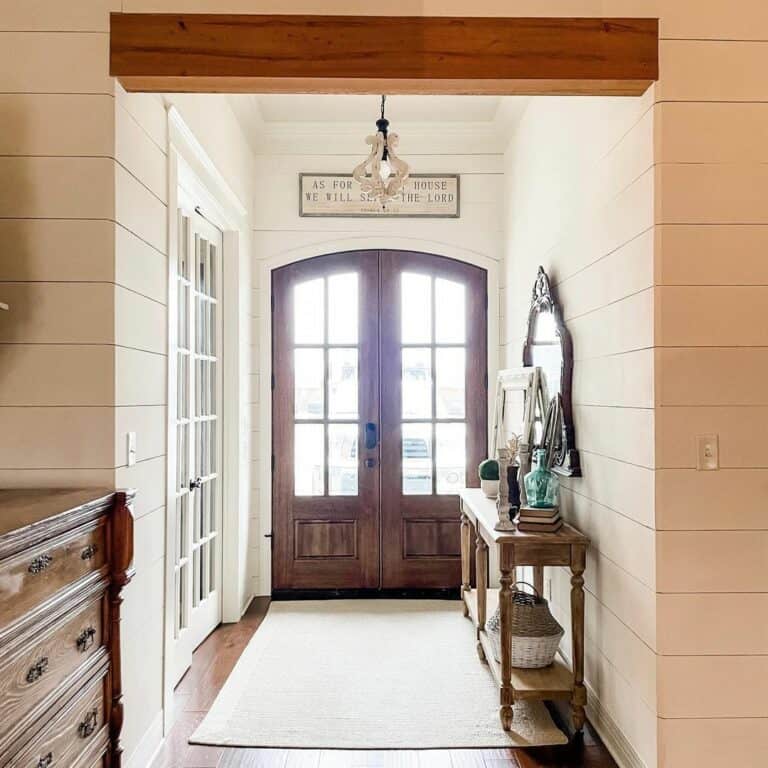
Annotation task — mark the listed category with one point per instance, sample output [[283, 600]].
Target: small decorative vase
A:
[[490, 488], [541, 484]]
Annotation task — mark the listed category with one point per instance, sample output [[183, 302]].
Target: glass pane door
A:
[[197, 566], [325, 423]]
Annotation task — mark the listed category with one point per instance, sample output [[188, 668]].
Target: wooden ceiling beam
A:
[[204, 53]]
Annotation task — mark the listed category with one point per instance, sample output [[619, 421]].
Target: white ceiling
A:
[[289, 108], [281, 123]]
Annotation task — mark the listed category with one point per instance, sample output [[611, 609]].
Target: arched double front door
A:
[[379, 418]]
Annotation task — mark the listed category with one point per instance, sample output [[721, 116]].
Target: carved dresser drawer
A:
[[70, 735], [29, 577], [65, 556], [44, 659]]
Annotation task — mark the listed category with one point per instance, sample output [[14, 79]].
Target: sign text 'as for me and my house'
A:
[[338, 194]]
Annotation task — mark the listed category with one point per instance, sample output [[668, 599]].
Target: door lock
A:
[[371, 436], [196, 483]]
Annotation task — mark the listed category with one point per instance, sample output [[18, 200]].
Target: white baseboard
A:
[[613, 737], [151, 742], [246, 605]]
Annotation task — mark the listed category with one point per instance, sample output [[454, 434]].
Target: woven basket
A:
[[535, 632]]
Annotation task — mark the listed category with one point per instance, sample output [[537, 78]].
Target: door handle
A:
[[371, 436]]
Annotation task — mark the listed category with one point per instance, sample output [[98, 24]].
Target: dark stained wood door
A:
[[433, 411], [379, 418], [325, 482]]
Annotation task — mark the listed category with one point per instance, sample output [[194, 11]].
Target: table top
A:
[[23, 507], [483, 511]]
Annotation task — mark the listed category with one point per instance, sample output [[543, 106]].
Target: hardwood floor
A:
[[214, 660]]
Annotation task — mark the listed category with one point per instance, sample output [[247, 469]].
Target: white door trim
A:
[[380, 242], [190, 168]]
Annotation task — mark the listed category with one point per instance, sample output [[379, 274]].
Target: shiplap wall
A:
[[711, 350], [580, 200], [281, 234], [83, 265]]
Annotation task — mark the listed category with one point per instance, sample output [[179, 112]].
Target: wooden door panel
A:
[[420, 520], [325, 541]]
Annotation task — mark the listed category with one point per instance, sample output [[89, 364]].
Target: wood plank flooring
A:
[[214, 660]]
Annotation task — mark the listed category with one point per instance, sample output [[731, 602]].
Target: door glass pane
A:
[[417, 383], [342, 383], [308, 312], [449, 382], [342, 309], [308, 460], [342, 459], [309, 372], [450, 312], [417, 459], [450, 450], [416, 308]]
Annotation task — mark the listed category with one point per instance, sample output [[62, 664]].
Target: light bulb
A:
[[385, 170]]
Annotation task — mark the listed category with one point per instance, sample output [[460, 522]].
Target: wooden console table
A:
[[567, 547]]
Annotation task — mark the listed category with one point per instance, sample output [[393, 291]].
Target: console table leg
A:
[[465, 555], [507, 568], [481, 574], [579, 697]]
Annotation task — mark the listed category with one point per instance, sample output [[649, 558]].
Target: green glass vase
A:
[[541, 484]]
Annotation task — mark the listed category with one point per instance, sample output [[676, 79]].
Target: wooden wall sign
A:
[[424, 195]]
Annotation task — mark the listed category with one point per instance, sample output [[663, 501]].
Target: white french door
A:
[[196, 434]]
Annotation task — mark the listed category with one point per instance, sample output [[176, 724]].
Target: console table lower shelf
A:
[[550, 683]]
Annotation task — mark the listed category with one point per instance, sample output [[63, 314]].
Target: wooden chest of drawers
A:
[[65, 556]]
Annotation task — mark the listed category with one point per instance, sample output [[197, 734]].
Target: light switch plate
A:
[[131, 448], [707, 452]]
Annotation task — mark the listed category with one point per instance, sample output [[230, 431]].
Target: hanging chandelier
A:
[[382, 174]]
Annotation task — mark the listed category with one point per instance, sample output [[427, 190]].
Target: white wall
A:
[[281, 236], [141, 396], [580, 201]]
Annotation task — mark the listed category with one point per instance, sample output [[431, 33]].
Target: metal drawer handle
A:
[[88, 726], [45, 761], [37, 669], [86, 639], [89, 552], [40, 563]]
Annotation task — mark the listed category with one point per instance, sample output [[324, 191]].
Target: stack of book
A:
[[533, 520]]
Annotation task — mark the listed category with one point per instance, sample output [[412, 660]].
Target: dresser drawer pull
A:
[[37, 669], [89, 552], [40, 563], [86, 639], [45, 761], [88, 726]]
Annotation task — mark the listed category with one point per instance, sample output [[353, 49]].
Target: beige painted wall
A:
[[84, 268]]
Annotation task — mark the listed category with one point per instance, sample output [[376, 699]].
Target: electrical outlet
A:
[[708, 452], [131, 448]]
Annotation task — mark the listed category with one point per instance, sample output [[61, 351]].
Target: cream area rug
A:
[[366, 674]]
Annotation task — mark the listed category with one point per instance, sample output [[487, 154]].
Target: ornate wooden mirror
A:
[[548, 345]]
